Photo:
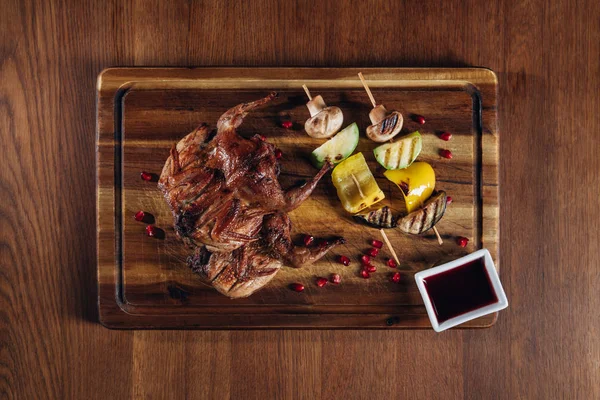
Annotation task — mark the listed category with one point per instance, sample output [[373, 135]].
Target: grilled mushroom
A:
[[426, 217], [324, 121], [385, 124], [384, 127]]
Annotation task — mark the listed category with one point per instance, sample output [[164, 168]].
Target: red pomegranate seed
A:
[[308, 240], [335, 278], [287, 124], [419, 119], [323, 243], [297, 287], [462, 241], [151, 230], [446, 136], [446, 153], [147, 176], [278, 154], [344, 260], [139, 216], [391, 263], [370, 268], [262, 137], [365, 259], [373, 252], [376, 243], [448, 200], [395, 277], [365, 274], [321, 282]]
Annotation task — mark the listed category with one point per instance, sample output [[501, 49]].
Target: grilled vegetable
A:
[[425, 218], [385, 126], [355, 184], [324, 121], [401, 153], [416, 183], [381, 218], [337, 148]]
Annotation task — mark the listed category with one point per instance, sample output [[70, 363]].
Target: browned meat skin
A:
[[229, 206], [238, 273]]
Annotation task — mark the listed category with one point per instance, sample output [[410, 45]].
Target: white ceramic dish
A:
[[488, 309]]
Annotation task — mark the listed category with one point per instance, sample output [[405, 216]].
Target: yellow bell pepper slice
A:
[[416, 183]]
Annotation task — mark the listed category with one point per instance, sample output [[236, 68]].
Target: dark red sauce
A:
[[460, 290]]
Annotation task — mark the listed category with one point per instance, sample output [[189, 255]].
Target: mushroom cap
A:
[[325, 124], [387, 128]]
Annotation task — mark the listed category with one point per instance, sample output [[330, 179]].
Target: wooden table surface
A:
[[546, 345]]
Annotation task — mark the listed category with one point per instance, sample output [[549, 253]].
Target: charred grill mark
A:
[[436, 209], [388, 124], [423, 221]]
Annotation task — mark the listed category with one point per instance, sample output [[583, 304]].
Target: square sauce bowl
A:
[[461, 290]]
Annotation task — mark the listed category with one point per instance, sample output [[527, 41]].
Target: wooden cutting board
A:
[[144, 282]]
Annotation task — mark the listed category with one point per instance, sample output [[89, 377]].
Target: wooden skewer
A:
[[360, 192], [362, 79], [439, 238], [389, 245], [307, 92]]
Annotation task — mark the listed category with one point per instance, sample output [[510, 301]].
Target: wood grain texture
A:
[[545, 345], [143, 112]]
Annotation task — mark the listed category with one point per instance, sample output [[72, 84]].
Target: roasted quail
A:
[[229, 207]]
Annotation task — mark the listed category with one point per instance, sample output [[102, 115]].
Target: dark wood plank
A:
[[546, 53], [47, 310]]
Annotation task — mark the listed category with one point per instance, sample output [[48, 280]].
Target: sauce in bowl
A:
[[460, 290]]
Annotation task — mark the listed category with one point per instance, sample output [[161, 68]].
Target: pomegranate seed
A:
[[335, 278], [446, 153], [147, 176], [139, 216], [308, 240], [365, 259], [262, 137], [323, 243], [376, 243], [278, 154], [287, 124], [462, 241], [419, 119], [373, 252], [321, 282], [446, 136], [370, 268], [448, 200], [391, 263], [395, 277], [365, 274], [344, 260], [297, 287], [151, 230]]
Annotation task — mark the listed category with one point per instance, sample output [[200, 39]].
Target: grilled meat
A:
[[229, 207], [426, 217]]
